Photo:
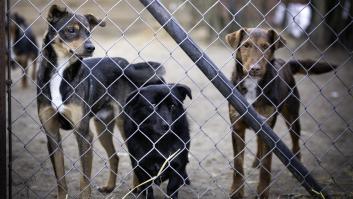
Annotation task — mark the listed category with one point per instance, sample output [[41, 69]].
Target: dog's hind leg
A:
[[270, 115], [51, 125], [120, 125], [104, 124], [291, 116]]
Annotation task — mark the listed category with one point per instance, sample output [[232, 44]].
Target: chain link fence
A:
[[315, 30]]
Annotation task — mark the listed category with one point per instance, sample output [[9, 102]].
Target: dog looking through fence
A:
[[269, 86], [156, 126]]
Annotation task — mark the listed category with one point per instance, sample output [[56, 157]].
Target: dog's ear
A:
[[182, 91], [276, 40], [56, 13], [234, 39], [93, 21]]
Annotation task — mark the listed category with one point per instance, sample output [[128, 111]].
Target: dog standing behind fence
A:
[[72, 90], [268, 85], [25, 47], [156, 126]]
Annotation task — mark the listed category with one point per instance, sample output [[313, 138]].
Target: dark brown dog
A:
[[269, 86]]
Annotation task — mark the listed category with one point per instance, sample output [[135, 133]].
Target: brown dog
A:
[[269, 86]]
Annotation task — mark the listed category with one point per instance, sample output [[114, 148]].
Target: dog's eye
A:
[[71, 30], [264, 46], [246, 45]]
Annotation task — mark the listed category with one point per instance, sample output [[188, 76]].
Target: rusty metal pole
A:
[[225, 87]]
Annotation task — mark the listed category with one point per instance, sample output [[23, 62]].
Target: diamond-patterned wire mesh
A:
[[132, 33]]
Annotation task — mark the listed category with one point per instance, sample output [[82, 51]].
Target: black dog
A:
[[156, 126], [25, 47]]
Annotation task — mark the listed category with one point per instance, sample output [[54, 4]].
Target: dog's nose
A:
[[255, 70], [90, 47]]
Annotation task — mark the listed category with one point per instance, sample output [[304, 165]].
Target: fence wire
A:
[[153, 106]]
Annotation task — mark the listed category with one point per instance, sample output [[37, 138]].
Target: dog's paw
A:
[[239, 195], [237, 191], [106, 189]]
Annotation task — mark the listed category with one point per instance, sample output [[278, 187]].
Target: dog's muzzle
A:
[[89, 47]]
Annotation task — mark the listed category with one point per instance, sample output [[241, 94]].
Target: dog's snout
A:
[[255, 69], [89, 47]]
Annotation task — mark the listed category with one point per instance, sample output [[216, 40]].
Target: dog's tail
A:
[[145, 73], [310, 67]]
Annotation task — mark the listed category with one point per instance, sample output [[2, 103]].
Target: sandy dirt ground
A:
[[326, 116]]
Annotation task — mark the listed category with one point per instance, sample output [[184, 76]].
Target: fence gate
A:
[[232, 56]]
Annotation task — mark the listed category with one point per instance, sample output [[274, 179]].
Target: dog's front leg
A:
[[238, 141], [147, 192], [84, 139], [175, 182], [51, 125], [263, 188]]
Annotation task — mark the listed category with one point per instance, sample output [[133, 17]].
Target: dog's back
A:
[[279, 84], [109, 69], [106, 78]]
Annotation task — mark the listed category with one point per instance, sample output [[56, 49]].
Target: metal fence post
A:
[[226, 88], [3, 62]]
